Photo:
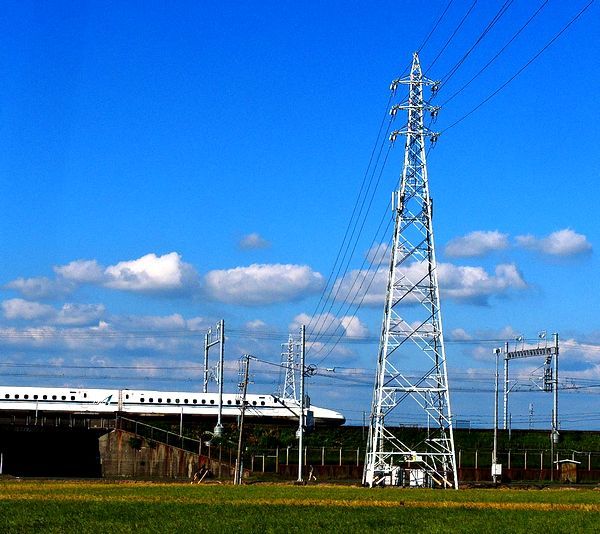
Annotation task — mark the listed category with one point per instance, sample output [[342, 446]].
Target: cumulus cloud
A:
[[256, 324], [262, 284], [328, 323], [79, 314], [476, 244], [459, 334], [151, 273], [81, 271], [253, 241], [462, 283], [88, 329], [41, 287], [563, 243], [379, 254], [69, 314], [362, 286], [16, 309], [475, 284]]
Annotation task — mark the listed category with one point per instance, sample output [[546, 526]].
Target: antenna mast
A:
[[412, 379]]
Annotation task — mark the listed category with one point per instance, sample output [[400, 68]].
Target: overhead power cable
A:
[[538, 54], [515, 35], [462, 21], [325, 318], [503, 9], [344, 246], [437, 22]]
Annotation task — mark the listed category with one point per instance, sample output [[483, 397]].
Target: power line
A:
[[466, 15], [515, 35], [572, 21], [434, 26], [503, 9]]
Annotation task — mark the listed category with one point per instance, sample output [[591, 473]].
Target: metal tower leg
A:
[[412, 380]]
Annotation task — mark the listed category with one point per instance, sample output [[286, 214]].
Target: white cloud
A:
[[471, 284], [256, 324], [79, 314], [459, 334], [16, 309], [151, 273], [328, 324], [476, 243], [475, 284], [354, 327], [366, 286], [379, 254], [68, 315], [253, 241], [262, 284], [41, 287], [564, 242], [148, 274], [81, 271]]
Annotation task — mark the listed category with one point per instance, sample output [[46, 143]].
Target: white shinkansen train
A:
[[82, 401]]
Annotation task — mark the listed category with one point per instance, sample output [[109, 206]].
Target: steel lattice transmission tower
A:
[[411, 369], [290, 356]]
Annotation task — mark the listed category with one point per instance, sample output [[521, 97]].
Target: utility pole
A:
[[495, 454], [554, 435], [505, 422], [219, 426], [211, 339], [301, 416], [411, 363], [239, 468], [206, 347]]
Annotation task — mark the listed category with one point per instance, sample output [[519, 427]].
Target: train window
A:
[[253, 403], [237, 401], [72, 397], [159, 399], [25, 396], [142, 399], [262, 403], [150, 399], [185, 400], [203, 401], [212, 401], [177, 401], [53, 397], [169, 401], [35, 397], [195, 401], [228, 402], [126, 396], [85, 395], [44, 397], [7, 396], [17, 396], [64, 398]]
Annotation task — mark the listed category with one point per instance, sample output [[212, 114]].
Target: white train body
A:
[[154, 403]]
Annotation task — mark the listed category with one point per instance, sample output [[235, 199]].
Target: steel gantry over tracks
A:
[[411, 369]]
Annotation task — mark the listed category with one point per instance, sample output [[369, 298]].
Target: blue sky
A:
[[166, 165]]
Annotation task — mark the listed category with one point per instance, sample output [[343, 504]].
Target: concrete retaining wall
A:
[[121, 457]]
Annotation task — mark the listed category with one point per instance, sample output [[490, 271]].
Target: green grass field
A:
[[103, 507]]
